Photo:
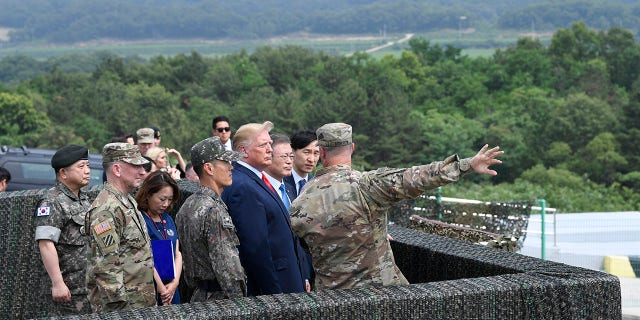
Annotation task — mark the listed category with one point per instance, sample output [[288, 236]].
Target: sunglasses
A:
[[221, 130]]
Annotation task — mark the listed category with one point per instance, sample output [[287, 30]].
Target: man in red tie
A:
[[267, 244]]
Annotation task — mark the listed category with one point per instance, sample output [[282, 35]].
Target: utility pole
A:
[[462, 18]]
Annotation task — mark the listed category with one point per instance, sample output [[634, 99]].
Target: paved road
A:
[[406, 38], [583, 239]]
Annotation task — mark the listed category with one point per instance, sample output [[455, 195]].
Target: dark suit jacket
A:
[[268, 247], [292, 188], [303, 250]]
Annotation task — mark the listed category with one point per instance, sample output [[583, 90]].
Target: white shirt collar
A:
[[275, 183], [297, 177], [250, 167]]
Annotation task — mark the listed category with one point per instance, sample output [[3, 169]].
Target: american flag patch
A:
[[102, 228], [43, 211]]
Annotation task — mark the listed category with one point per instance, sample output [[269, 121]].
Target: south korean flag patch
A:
[[43, 211]]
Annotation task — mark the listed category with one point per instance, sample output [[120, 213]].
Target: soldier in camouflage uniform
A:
[[341, 213], [59, 219], [120, 269], [207, 235]]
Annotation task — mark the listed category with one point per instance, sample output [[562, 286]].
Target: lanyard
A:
[[162, 233]]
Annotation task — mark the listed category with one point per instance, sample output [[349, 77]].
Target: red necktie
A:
[[264, 178]]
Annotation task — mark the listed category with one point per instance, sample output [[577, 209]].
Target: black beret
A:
[[69, 155]]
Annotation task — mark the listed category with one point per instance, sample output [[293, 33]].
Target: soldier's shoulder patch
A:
[[43, 211], [106, 237], [102, 228]]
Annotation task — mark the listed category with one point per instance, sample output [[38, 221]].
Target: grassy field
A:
[[472, 42]]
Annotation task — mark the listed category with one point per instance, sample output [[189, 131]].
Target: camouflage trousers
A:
[[79, 304], [201, 295]]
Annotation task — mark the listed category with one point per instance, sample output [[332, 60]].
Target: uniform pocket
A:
[[132, 234]]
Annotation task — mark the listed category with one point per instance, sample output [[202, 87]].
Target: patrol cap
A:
[[211, 149], [120, 151], [334, 135], [69, 155], [145, 135]]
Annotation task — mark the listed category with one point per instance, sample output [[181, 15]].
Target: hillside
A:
[[76, 21]]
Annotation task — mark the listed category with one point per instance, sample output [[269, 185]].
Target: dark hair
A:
[[218, 119], [152, 184], [188, 166], [122, 138], [5, 175], [302, 139], [119, 139], [278, 138]]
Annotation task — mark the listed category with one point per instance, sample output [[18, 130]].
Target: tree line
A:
[[567, 114], [83, 20]]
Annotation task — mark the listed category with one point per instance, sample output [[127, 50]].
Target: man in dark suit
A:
[[267, 245], [306, 158]]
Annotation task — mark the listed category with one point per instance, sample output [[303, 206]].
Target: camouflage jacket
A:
[[59, 218], [120, 262], [341, 215], [209, 244]]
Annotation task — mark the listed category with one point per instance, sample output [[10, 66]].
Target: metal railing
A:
[[542, 208]]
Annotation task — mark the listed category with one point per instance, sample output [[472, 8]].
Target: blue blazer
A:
[[268, 247], [303, 251]]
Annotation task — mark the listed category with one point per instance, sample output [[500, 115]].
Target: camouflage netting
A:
[[451, 279], [502, 225]]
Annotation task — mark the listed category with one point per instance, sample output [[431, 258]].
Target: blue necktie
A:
[[285, 198], [301, 184]]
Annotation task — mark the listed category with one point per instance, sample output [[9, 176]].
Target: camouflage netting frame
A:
[[497, 222], [451, 279]]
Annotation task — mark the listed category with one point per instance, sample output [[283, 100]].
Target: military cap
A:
[[211, 149], [69, 155], [119, 151], [334, 135], [145, 135]]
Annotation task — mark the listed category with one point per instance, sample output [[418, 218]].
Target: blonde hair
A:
[[248, 132], [154, 153]]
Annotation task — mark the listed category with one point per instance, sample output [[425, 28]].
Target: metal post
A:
[[543, 238], [439, 201]]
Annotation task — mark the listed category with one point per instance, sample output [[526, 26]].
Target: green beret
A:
[[69, 155]]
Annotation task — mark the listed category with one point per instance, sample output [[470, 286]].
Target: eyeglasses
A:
[[221, 130], [287, 155]]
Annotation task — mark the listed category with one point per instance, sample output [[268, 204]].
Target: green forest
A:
[[567, 114]]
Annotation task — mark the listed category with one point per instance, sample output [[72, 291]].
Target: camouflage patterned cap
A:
[[211, 149], [334, 135], [119, 151], [145, 135]]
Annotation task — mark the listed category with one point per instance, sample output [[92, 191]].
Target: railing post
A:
[[439, 201], [543, 237]]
